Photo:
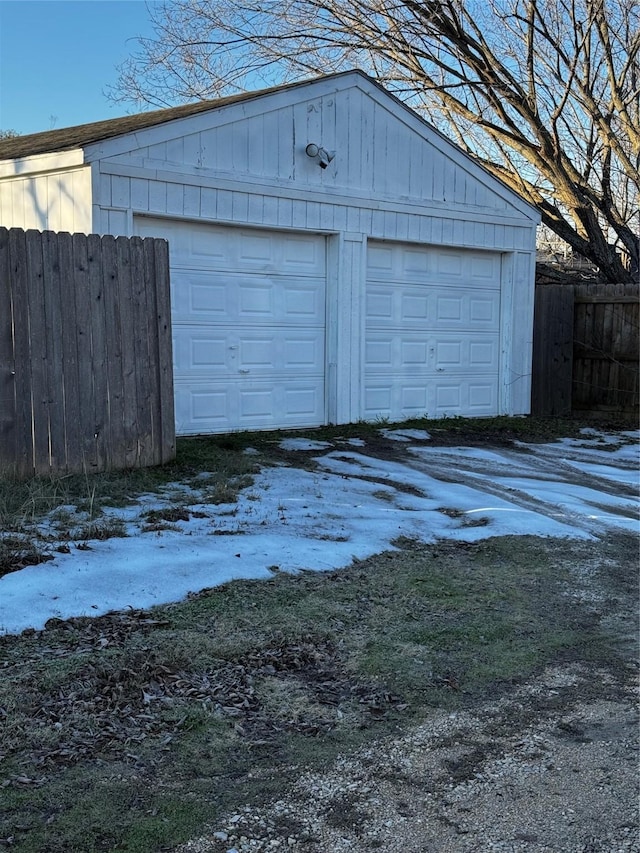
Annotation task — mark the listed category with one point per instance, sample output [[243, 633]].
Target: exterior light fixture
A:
[[323, 156]]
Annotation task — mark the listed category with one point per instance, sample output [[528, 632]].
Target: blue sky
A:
[[57, 57]]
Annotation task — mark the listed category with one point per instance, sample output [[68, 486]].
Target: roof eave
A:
[[52, 161]]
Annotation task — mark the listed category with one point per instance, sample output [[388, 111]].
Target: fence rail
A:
[[85, 353], [586, 349]]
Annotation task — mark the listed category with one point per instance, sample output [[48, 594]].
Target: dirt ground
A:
[[550, 766]]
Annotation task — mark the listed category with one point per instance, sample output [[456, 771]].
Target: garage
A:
[[432, 332], [333, 257], [248, 316]]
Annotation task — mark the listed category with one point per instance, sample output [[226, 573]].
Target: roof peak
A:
[[78, 136]]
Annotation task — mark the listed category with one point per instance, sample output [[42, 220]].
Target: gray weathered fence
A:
[[586, 349], [86, 379]]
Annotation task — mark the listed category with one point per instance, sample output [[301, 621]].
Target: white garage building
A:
[[333, 257]]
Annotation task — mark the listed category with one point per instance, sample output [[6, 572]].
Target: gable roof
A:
[[83, 135], [67, 138]]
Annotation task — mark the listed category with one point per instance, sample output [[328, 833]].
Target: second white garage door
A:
[[248, 315], [432, 332]]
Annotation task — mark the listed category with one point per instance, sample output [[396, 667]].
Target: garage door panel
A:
[[400, 305], [432, 331], [232, 298], [200, 296], [405, 263], [203, 246], [397, 396], [279, 350], [473, 397], [200, 349], [248, 314], [467, 309], [204, 298], [414, 354], [396, 353], [280, 300], [203, 408], [302, 254], [484, 268], [466, 354], [380, 303], [476, 396], [194, 245], [208, 406], [380, 260], [449, 265], [304, 353]]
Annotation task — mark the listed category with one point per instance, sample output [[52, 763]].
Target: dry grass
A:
[[136, 727]]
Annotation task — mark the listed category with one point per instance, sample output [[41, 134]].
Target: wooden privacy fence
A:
[[586, 346], [86, 379]]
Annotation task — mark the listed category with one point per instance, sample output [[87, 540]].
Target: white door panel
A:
[[432, 340], [248, 315]]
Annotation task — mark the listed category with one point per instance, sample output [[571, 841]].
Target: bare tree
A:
[[545, 93]]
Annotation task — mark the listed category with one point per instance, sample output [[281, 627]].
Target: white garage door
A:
[[432, 332], [248, 315]]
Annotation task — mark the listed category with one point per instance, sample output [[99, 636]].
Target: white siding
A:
[[383, 152], [519, 338], [176, 195], [60, 201]]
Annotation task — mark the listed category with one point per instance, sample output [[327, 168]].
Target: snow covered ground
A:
[[351, 506]]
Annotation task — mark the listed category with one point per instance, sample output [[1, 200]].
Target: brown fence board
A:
[[84, 383], [165, 349], [99, 296], [8, 436], [23, 459], [54, 362], [606, 347], [154, 340], [112, 348], [128, 353], [142, 352], [38, 345], [82, 288], [552, 351], [70, 332]]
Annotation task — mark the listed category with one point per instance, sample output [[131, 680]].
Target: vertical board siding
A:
[[85, 353], [517, 333], [376, 154], [57, 201], [586, 349]]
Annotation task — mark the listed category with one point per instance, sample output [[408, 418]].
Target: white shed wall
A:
[[179, 197], [393, 178], [54, 201]]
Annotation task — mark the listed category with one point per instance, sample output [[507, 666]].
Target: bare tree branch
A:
[[546, 93]]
